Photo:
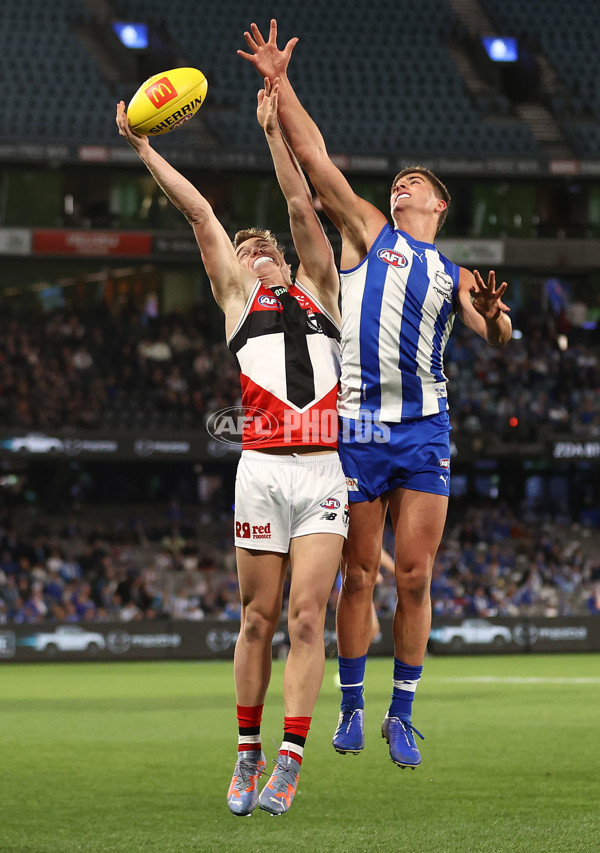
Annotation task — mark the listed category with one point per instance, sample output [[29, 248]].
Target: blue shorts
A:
[[383, 457]]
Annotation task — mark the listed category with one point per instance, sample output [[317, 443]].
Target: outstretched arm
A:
[[317, 265], [481, 308], [358, 221], [218, 256]]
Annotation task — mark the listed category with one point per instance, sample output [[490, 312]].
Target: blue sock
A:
[[352, 676], [406, 678]]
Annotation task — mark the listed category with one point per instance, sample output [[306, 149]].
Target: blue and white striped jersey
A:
[[398, 308]]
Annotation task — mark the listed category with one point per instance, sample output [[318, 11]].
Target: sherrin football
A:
[[166, 101]]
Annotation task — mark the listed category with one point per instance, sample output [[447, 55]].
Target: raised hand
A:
[[266, 110], [266, 57], [486, 298], [137, 142]]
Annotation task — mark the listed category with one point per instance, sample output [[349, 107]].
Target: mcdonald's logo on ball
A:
[[166, 101], [161, 92]]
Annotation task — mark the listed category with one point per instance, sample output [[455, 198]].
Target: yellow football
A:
[[166, 101]]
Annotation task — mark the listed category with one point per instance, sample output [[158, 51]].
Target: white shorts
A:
[[278, 498]]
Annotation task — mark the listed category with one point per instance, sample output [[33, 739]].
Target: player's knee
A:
[[258, 625], [305, 625], [359, 576], [413, 581]]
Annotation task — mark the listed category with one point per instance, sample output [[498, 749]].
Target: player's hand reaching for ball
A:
[[486, 298], [266, 57], [137, 142], [266, 110]]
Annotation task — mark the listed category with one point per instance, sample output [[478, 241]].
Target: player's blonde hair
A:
[[440, 189], [263, 233]]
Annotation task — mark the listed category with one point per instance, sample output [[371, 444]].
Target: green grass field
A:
[[135, 757]]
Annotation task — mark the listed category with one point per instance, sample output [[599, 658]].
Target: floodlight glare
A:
[[501, 49], [134, 35]]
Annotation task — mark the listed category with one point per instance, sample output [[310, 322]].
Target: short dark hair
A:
[[263, 233], [440, 189]]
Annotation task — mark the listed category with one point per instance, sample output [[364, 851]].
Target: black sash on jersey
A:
[[300, 381]]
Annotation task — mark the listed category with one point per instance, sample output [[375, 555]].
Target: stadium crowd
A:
[[72, 370], [128, 568], [548, 379]]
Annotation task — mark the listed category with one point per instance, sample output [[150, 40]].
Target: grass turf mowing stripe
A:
[[494, 679], [138, 756]]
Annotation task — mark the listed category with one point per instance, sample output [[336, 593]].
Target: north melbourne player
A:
[[399, 300]]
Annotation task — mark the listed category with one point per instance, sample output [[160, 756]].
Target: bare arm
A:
[[317, 265], [358, 221], [226, 276], [481, 308]]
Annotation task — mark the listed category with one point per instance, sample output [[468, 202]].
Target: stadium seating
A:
[[367, 90], [140, 562], [375, 100], [129, 382], [57, 93], [567, 35]]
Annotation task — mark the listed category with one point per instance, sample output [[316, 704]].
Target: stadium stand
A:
[[91, 370], [68, 69], [56, 92], [72, 370], [412, 114], [94, 370], [567, 37], [130, 563], [64, 94], [548, 389], [102, 563]]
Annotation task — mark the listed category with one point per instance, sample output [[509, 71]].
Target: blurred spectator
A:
[[489, 564], [92, 370], [82, 370]]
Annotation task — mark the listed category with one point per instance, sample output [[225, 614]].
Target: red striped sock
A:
[[249, 719], [295, 730], [293, 750], [249, 743], [298, 726], [249, 716]]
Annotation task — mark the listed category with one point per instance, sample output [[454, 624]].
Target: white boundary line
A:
[[494, 679]]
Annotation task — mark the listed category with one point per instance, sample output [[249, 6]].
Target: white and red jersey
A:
[[289, 370]]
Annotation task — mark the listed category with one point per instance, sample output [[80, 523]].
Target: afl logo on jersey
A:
[[268, 301], [331, 503], [394, 259]]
